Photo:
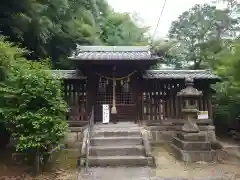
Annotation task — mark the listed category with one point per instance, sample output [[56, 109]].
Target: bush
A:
[[32, 105]]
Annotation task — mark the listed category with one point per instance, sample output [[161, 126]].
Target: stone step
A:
[[114, 129], [117, 133], [125, 116], [194, 156], [118, 141], [192, 146], [118, 125], [119, 161], [117, 150], [200, 137]]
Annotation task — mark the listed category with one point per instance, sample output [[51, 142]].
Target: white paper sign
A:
[[203, 115], [105, 112]]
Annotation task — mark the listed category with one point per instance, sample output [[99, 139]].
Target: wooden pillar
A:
[[90, 93], [209, 101], [138, 93]]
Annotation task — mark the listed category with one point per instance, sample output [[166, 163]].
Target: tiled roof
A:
[[150, 74], [180, 74], [112, 53], [67, 74]]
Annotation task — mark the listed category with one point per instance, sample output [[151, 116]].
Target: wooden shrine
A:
[[120, 76]]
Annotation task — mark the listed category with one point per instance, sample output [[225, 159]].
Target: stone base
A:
[[159, 134], [165, 133], [196, 137], [73, 139], [194, 156], [191, 145]]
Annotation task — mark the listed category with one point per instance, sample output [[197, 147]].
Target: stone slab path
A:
[[131, 173], [118, 173]]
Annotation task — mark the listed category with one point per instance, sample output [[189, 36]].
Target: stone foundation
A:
[[165, 133], [192, 147], [193, 156], [156, 134], [74, 138], [195, 146], [159, 134]]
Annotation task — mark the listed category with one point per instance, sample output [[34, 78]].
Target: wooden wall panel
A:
[[75, 96], [161, 103]]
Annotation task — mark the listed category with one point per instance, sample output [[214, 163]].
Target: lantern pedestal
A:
[[189, 114]]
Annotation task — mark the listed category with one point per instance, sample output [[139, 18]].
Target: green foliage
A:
[[228, 91], [198, 32], [53, 28], [120, 29], [31, 101], [161, 48], [8, 53], [202, 39]]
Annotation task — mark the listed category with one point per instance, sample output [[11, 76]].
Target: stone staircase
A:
[[119, 144]]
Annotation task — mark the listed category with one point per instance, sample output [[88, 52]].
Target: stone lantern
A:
[[190, 109], [190, 144]]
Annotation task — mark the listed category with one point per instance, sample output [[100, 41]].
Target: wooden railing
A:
[[89, 136]]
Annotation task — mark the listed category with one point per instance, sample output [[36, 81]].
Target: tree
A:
[[228, 91], [198, 28], [53, 28], [120, 29], [162, 48]]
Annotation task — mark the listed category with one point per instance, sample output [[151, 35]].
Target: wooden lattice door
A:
[[125, 102]]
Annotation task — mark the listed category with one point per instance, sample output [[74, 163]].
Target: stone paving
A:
[[118, 173], [132, 173]]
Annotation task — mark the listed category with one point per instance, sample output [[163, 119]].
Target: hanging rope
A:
[[114, 79], [117, 79]]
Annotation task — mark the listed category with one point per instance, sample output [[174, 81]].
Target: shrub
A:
[[32, 105]]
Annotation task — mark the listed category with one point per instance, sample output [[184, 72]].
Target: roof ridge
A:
[[113, 48], [179, 70], [180, 74]]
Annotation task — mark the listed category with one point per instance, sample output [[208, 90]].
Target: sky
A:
[[149, 11]]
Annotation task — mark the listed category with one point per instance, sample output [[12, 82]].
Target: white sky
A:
[[149, 11]]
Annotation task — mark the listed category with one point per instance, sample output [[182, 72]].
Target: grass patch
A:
[[64, 159]]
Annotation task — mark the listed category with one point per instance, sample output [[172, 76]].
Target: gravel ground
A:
[[144, 173], [168, 167]]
